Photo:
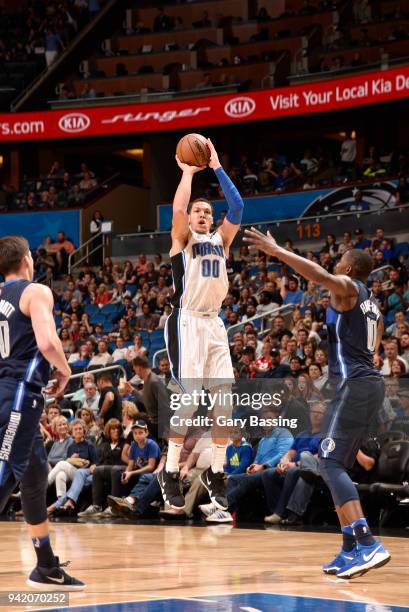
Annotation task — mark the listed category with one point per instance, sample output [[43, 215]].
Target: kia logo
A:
[[240, 107], [74, 123]]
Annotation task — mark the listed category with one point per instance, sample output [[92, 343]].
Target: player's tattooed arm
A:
[[338, 285], [180, 223]]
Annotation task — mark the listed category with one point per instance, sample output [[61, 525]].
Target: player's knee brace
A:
[[33, 487], [337, 480]]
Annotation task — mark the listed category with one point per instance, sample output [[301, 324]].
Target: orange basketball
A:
[[193, 150]]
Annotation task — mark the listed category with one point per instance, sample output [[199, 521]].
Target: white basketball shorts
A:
[[198, 348]]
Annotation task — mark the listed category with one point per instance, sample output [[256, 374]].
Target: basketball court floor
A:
[[189, 568]]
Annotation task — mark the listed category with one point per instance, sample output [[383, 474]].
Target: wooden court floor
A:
[[136, 562]]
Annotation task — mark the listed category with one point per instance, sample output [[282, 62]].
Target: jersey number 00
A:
[[210, 268]]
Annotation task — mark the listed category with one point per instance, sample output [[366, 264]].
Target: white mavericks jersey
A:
[[199, 274]]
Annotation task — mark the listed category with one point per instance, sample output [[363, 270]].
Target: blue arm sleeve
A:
[[234, 199]]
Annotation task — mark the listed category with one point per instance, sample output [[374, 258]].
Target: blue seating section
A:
[[402, 248], [110, 314]]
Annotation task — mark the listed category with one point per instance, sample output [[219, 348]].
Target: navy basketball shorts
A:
[[21, 406], [351, 415]]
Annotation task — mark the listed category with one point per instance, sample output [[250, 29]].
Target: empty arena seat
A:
[[390, 436], [156, 346], [157, 340], [91, 309], [131, 289], [121, 70], [122, 362], [75, 384], [144, 335], [97, 319], [402, 248], [273, 267], [157, 334], [392, 468], [109, 308], [146, 69], [111, 312]]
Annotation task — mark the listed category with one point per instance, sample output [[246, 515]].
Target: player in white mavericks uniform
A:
[[196, 338]]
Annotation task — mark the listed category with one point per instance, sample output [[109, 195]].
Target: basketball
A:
[[193, 150]]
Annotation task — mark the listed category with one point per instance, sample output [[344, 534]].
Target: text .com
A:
[[22, 127]]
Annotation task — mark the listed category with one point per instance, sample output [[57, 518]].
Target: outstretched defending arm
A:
[[180, 224], [231, 223], [340, 285]]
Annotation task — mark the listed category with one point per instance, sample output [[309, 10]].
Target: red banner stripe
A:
[[323, 96]]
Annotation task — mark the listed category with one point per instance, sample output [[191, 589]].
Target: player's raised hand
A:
[[188, 169], [257, 240], [214, 162]]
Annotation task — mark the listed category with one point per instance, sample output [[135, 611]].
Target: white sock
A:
[[130, 500], [218, 457], [172, 460]]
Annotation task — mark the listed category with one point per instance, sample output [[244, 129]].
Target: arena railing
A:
[[96, 243], [382, 270], [263, 318], [301, 229], [135, 98], [50, 400], [383, 64]]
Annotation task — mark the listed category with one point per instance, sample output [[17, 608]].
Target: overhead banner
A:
[[318, 97]]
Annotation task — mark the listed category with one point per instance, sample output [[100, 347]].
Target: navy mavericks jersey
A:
[[352, 337], [19, 354]]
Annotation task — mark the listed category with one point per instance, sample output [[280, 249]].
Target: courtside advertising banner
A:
[[323, 96]]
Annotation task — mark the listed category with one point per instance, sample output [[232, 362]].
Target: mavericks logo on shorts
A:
[[327, 445], [9, 436]]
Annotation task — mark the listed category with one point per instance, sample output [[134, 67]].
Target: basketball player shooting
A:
[[28, 345], [355, 328], [196, 337]]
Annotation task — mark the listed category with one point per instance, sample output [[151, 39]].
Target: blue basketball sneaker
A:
[[365, 558], [340, 560]]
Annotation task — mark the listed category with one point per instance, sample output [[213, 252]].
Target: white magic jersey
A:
[[199, 274]]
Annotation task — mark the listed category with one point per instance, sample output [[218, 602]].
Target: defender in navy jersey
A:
[[28, 345], [355, 327], [196, 337]]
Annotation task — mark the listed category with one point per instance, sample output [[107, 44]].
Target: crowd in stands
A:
[[352, 41], [33, 39], [51, 257], [342, 37], [42, 30], [104, 458], [58, 189], [317, 167], [275, 173]]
